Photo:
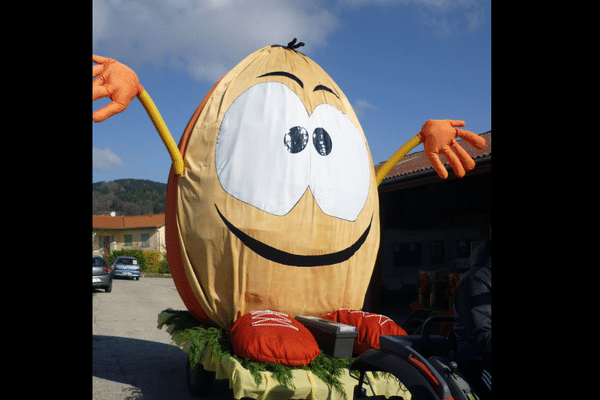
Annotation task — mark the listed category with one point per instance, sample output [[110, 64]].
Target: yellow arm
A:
[[389, 164], [163, 131], [167, 139]]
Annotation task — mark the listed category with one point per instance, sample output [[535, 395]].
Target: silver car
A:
[[128, 267], [102, 274]]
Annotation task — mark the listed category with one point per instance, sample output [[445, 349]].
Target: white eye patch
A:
[[269, 150]]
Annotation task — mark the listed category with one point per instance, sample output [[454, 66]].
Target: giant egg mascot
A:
[[272, 208]]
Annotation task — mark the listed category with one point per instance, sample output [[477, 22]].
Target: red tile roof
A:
[[413, 163], [128, 222]]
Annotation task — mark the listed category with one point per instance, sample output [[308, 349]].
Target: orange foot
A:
[[271, 336]]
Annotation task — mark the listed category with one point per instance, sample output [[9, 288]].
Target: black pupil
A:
[[296, 139], [322, 141]]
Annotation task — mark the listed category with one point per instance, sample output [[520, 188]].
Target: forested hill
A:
[[129, 196]]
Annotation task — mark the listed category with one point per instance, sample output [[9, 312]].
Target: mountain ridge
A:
[[128, 196]]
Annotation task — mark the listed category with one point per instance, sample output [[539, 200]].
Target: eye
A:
[[252, 163], [254, 167], [340, 181], [295, 140], [322, 141]]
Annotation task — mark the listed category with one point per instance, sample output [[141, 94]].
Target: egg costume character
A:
[[272, 208]]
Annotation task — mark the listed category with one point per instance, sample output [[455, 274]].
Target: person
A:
[[473, 321]]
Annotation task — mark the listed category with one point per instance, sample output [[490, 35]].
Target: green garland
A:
[[184, 328]]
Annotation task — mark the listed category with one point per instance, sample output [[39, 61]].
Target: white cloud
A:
[[360, 3], [443, 18], [439, 25], [106, 160], [361, 106], [446, 18], [437, 4], [475, 19], [205, 39]]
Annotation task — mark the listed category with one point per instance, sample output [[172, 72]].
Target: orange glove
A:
[[439, 137], [116, 81]]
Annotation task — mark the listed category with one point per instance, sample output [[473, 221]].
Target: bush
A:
[[164, 267], [153, 260]]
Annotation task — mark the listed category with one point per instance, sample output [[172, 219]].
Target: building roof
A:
[[128, 222], [416, 163]]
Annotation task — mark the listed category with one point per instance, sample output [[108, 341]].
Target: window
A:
[[407, 255], [463, 248], [98, 262], [437, 252], [145, 240], [128, 240]]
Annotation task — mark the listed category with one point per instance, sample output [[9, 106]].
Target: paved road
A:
[[131, 358]]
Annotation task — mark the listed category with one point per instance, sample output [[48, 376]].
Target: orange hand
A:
[[114, 80], [439, 137]]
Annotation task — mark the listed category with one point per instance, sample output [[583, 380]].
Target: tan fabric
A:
[[227, 277]]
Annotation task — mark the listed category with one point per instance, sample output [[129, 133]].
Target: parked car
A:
[[102, 274], [128, 267]]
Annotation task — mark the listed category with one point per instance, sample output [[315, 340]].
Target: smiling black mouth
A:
[[296, 260]]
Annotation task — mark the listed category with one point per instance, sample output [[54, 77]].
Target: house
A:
[[119, 232], [430, 224]]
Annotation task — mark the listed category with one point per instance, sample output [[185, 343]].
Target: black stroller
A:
[[423, 363]]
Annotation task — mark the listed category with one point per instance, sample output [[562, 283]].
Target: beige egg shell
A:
[[225, 276]]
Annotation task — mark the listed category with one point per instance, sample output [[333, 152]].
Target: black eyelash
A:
[[286, 74], [321, 87]]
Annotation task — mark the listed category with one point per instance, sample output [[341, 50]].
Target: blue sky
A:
[[399, 62]]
